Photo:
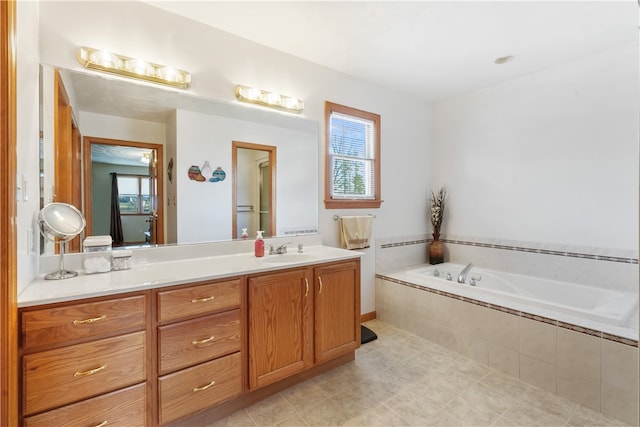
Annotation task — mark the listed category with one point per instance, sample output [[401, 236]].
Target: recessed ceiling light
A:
[[503, 59]]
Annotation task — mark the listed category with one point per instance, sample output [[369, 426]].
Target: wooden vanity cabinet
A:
[[280, 325], [84, 356], [337, 310], [192, 352], [300, 318], [199, 347]]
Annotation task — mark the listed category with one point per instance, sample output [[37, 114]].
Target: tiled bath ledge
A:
[[519, 313]]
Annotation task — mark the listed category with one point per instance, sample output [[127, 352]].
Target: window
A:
[[133, 191], [352, 158]]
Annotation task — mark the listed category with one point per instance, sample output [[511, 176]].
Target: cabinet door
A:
[[337, 310], [280, 326]]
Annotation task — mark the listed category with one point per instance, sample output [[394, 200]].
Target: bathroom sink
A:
[[284, 258]]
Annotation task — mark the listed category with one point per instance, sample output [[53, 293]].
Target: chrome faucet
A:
[[282, 249], [463, 274]]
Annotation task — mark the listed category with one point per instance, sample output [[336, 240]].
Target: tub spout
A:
[[463, 274]]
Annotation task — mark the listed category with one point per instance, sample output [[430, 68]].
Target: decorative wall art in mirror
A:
[[190, 131]]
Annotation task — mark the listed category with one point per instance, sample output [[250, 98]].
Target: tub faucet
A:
[[463, 274]]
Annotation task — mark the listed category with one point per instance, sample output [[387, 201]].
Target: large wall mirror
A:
[[193, 133]]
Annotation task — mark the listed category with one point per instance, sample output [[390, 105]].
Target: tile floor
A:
[[404, 380]]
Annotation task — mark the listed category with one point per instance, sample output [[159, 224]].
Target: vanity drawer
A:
[[201, 299], [120, 408], [199, 387], [57, 325], [57, 377], [194, 341]]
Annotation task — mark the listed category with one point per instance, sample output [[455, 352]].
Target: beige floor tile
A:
[[295, 420], [511, 385], [404, 380], [471, 412], [555, 406], [270, 411], [304, 395], [586, 417], [415, 409], [327, 413], [238, 419], [380, 416]]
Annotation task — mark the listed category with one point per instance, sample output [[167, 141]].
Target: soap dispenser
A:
[[244, 234], [259, 245]]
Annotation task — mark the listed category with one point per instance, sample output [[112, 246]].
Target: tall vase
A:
[[436, 250]]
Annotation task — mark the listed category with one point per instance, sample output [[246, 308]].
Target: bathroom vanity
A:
[[156, 352]]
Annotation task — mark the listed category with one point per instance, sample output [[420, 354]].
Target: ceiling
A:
[[430, 49]]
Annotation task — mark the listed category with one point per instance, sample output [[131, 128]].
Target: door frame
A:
[[87, 142], [8, 238], [234, 200]]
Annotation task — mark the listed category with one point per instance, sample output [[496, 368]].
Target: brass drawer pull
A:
[[90, 320], [89, 372], [204, 341], [102, 424], [320, 280], [306, 291], [205, 299], [204, 387]]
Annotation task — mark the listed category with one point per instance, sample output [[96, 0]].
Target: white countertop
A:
[[147, 275]]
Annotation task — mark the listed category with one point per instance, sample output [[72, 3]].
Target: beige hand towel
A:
[[355, 231]]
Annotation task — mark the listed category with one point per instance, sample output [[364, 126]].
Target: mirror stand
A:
[[61, 273]]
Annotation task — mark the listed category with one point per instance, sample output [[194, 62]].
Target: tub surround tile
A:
[[504, 360], [620, 403], [608, 336], [538, 340], [620, 365], [579, 389], [503, 329], [474, 348], [579, 355], [538, 373]]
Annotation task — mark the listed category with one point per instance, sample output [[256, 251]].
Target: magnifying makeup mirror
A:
[[60, 222]]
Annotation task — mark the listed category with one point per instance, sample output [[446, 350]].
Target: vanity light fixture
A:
[[132, 67], [269, 99]]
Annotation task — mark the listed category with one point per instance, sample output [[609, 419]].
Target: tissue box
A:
[[97, 254]]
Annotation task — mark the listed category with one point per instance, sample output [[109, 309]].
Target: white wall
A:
[[27, 162], [204, 208], [550, 157], [112, 127]]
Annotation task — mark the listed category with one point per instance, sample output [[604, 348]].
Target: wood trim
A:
[[234, 199], [8, 250], [329, 203], [88, 213], [365, 317]]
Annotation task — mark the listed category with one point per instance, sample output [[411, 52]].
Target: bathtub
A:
[[520, 292]]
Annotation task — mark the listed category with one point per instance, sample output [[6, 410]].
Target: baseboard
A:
[[367, 316]]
